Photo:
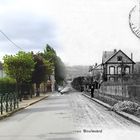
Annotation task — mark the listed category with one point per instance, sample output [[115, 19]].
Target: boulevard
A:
[[70, 116]]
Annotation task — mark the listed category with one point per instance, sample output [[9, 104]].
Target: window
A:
[[111, 70], [111, 79], [119, 70], [127, 70], [119, 58]]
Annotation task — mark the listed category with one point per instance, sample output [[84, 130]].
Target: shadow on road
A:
[[43, 109], [62, 139], [55, 98]]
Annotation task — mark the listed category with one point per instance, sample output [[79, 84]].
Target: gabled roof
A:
[[110, 55], [107, 55], [97, 67]]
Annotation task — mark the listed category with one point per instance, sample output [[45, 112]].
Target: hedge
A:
[[7, 85]]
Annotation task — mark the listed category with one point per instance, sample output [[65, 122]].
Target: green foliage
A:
[[50, 67], [55, 63], [77, 83], [19, 66], [7, 85], [60, 72], [40, 70], [49, 54]]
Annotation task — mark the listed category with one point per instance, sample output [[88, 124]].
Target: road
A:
[[67, 117]]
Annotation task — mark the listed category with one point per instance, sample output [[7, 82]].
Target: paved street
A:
[[67, 117]]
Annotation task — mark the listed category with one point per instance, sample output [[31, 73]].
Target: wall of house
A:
[[116, 68]]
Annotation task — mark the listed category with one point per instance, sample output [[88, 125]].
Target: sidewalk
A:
[[130, 117], [24, 104]]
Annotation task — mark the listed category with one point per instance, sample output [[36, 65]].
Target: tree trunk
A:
[[37, 89], [19, 91]]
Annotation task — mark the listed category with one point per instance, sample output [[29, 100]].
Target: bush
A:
[[7, 85], [127, 106]]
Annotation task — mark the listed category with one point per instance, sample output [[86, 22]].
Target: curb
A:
[[21, 108], [35, 101], [127, 116]]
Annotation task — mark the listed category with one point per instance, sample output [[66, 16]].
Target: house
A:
[[96, 71], [116, 64]]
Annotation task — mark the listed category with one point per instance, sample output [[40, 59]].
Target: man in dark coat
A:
[[92, 90]]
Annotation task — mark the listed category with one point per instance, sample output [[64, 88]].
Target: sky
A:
[[79, 30]]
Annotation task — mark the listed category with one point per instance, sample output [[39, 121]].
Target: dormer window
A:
[[119, 58]]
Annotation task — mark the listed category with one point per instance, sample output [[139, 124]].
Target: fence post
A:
[[1, 104], [14, 101], [6, 102], [11, 101], [17, 100]]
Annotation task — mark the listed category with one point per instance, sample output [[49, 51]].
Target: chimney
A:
[[115, 50], [105, 54], [131, 56]]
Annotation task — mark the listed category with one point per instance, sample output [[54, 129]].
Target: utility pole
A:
[[122, 77], [122, 65]]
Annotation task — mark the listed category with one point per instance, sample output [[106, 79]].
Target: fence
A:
[[116, 90], [127, 89], [7, 85], [113, 92], [8, 102]]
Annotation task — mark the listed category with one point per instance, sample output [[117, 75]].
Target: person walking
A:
[[92, 90]]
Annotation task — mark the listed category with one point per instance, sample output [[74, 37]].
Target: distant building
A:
[[51, 82], [52, 78], [2, 73], [115, 63], [96, 72]]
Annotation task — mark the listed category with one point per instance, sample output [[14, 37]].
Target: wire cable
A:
[[10, 40]]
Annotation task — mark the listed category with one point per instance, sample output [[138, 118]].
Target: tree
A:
[[19, 67], [54, 62], [78, 83], [50, 68], [49, 54], [40, 72], [60, 72]]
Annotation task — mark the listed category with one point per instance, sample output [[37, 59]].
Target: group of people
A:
[[94, 85]]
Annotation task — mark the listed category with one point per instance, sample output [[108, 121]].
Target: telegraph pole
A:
[[122, 74]]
